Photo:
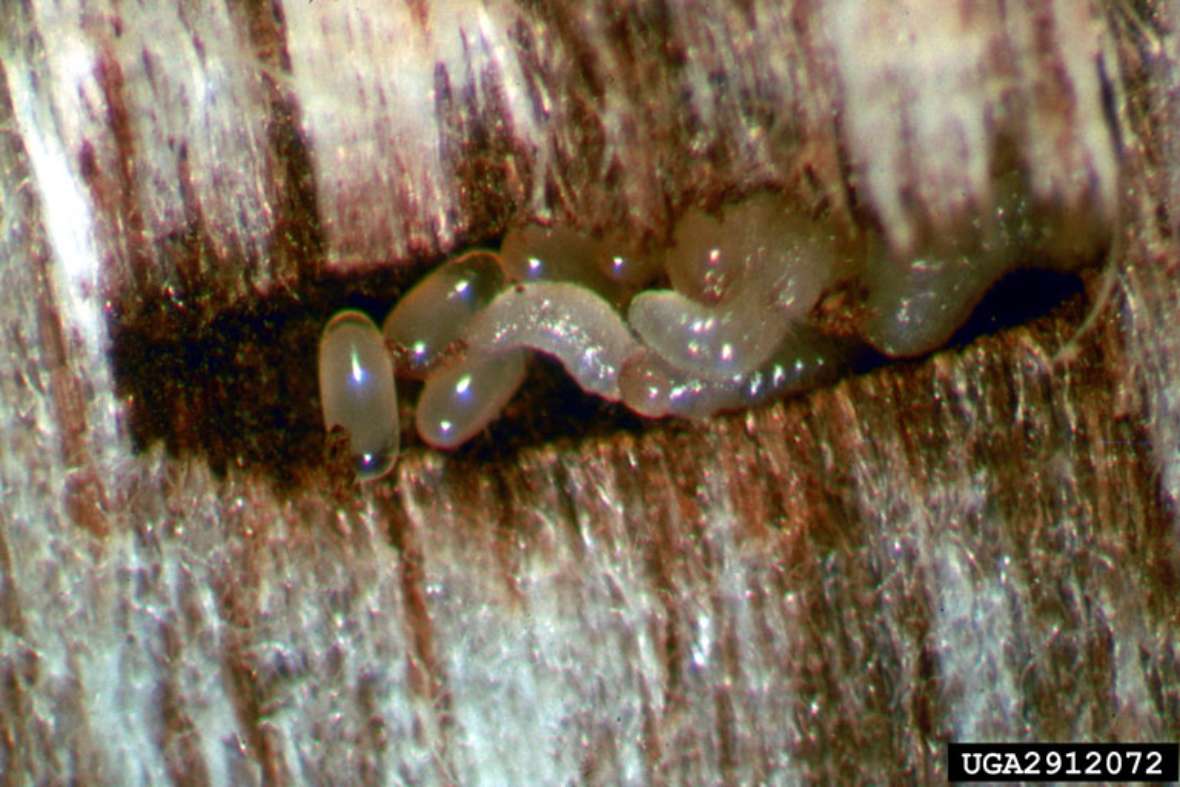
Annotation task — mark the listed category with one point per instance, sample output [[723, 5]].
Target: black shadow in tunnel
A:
[[1021, 296], [240, 389]]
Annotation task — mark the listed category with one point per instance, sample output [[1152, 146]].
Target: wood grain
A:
[[977, 545]]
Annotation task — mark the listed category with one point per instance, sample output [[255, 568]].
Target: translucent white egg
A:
[[464, 396], [357, 391], [612, 266], [534, 253], [433, 315], [624, 262]]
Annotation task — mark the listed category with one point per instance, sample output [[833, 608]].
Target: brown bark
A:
[[978, 545]]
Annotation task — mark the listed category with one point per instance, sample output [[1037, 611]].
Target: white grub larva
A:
[[714, 342], [567, 321], [433, 315], [740, 284], [702, 263], [466, 394], [755, 241], [915, 305], [804, 359], [357, 391]]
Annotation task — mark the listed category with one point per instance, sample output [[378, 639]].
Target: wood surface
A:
[[977, 545]]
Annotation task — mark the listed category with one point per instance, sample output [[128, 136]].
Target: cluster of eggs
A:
[[731, 329]]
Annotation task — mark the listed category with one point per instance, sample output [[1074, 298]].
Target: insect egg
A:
[[535, 253], [620, 259], [612, 266], [465, 395], [435, 312], [357, 391]]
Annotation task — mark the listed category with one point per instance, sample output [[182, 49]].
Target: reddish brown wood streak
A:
[[85, 498]]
